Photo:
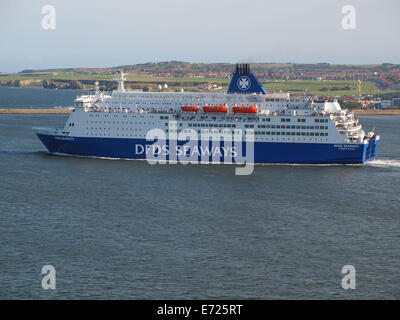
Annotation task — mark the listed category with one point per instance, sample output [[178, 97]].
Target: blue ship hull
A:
[[264, 152]]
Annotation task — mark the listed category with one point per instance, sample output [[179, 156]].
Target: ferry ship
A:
[[281, 129]]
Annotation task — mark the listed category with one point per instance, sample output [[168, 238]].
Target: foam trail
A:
[[385, 162]]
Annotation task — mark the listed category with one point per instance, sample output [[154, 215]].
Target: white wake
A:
[[385, 162]]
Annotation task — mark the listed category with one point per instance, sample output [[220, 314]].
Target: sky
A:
[[104, 33]]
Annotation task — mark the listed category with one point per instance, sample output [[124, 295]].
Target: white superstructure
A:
[[125, 114]]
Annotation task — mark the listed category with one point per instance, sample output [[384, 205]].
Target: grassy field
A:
[[320, 87], [137, 80]]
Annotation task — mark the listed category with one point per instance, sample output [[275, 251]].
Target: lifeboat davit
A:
[[216, 109], [190, 108], [250, 109]]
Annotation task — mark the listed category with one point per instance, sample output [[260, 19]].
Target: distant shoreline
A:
[[34, 111], [395, 112]]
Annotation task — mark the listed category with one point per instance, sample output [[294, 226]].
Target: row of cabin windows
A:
[[125, 135], [303, 120], [91, 128], [122, 122], [109, 135], [276, 99], [291, 127], [217, 125], [133, 115], [122, 129], [199, 131], [269, 119], [277, 133], [223, 119], [233, 126], [212, 125], [267, 133]]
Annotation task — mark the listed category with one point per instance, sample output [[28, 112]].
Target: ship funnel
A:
[[244, 81]]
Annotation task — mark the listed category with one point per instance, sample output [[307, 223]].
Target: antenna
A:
[[121, 81]]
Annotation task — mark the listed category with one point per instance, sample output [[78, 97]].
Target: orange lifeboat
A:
[[190, 108], [216, 109], [250, 109]]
